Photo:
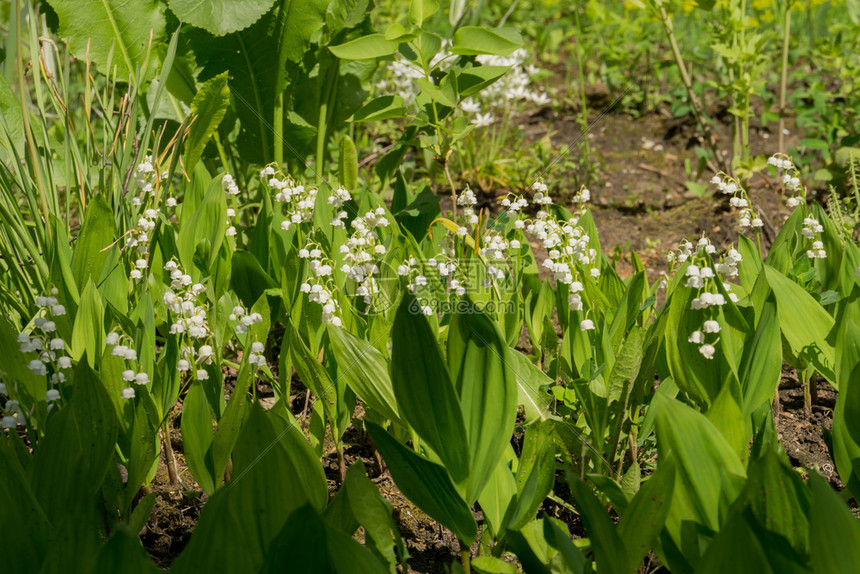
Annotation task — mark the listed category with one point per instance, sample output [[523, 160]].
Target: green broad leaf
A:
[[348, 163], [23, 547], [477, 40], [381, 108], [201, 236], [197, 437], [370, 47], [220, 17], [424, 391], [726, 414], [628, 309], [427, 484], [241, 520], [359, 503], [804, 324], [472, 80], [609, 549], [11, 119], [834, 531], [428, 45], [307, 544], [231, 423], [702, 456], [330, 393], [420, 10], [736, 549], [88, 334], [124, 553], [247, 277], [255, 59], [115, 34], [499, 493], [846, 429], [779, 503], [479, 362], [530, 381], [365, 370], [397, 32], [627, 364], [535, 475], [208, 108], [761, 365], [72, 460], [780, 255], [14, 362], [446, 97], [646, 514], [750, 266], [492, 565], [91, 249]]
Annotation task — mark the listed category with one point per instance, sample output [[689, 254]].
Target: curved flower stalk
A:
[[748, 217]]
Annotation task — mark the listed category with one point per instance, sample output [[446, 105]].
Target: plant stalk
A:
[[783, 78], [465, 557], [695, 102]]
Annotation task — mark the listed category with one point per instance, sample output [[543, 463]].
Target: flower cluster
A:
[[13, 416], [812, 230], [467, 200], [337, 198], [747, 217], [516, 85], [703, 279], [183, 300], [146, 177], [567, 244], [123, 348], [138, 242], [49, 359], [362, 253], [790, 177], [298, 200], [541, 197], [231, 190], [318, 287]]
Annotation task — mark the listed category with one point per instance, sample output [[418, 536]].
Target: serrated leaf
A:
[[220, 17], [115, 29], [208, 107]]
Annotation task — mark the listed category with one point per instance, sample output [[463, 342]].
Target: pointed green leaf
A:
[[365, 370], [426, 484], [479, 362], [424, 391]]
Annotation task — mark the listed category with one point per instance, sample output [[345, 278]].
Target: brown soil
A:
[[804, 437]]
